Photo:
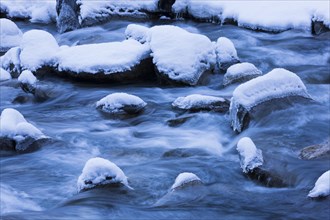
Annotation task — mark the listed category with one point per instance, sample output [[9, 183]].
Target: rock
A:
[[315, 151], [11, 62], [322, 186], [7, 144], [184, 180], [276, 85], [165, 5], [30, 144], [184, 152], [4, 75], [137, 32], [27, 81], [10, 35], [266, 178], [226, 53], [319, 28], [67, 15], [175, 122], [239, 73], [198, 102]]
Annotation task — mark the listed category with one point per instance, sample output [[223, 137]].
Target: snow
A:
[[27, 77], [137, 32], [250, 156], [226, 52], [107, 58], [38, 11], [176, 54], [11, 58], [99, 171], [115, 102], [183, 179], [4, 75], [196, 101], [14, 125], [239, 71], [322, 186], [10, 34], [38, 49]]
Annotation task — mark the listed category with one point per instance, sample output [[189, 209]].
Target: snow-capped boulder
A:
[[226, 53], [185, 179], [17, 134], [27, 81], [11, 62], [277, 84], [121, 103], [4, 75], [38, 49], [322, 186], [240, 72], [137, 32], [177, 57], [100, 172], [10, 35], [316, 151], [250, 156], [197, 102], [67, 15], [114, 61]]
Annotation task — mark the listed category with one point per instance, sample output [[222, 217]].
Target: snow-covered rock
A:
[[137, 32], [226, 53], [322, 186], [10, 61], [240, 72], [185, 179], [197, 102], [38, 49], [278, 83], [10, 35], [176, 56], [119, 103], [27, 77], [98, 171], [4, 75], [67, 15], [250, 156], [316, 151]]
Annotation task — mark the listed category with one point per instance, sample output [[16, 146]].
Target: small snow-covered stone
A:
[[4, 75], [137, 32], [250, 156], [10, 61], [226, 53], [10, 35], [322, 186], [240, 72], [67, 15], [197, 102], [185, 179], [118, 103], [98, 171], [27, 77]]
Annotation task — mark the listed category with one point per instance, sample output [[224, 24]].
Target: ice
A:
[[10, 34], [226, 53], [322, 186], [250, 156], [98, 171], [38, 49], [196, 101], [104, 58], [27, 77], [117, 102], [239, 72], [137, 32], [176, 55], [183, 179], [4, 75]]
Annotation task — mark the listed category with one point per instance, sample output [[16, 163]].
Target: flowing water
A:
[[42, 184]]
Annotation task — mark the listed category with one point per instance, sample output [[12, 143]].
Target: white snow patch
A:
[[176, 54], [27, 77], [11, 57], [196, 101], [322, 186], [107, 58], [10, 34], [115, 102], [4, 75], [240, 70], [183, 179], [137, 32], [226, 51], [99, 171], [250, 156]]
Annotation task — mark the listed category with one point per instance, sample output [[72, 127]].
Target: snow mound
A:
[[104, 58], [98, 171], [4, 75], [278, 83], [240, 72], [176, 55], [14, 125], [197, 101], [226, 53], [137, 32], [184, 179], [10, 61], [38, 49], [250, 156], [10, 34], [322, 186], [27, 77], [117, 103]]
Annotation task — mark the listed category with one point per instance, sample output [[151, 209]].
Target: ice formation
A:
[[10, 34], [240, 72], [184, 179], [322, 186]]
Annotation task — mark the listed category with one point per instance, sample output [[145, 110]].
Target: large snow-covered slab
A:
[[322, 186], [181, 56], [10, 35]]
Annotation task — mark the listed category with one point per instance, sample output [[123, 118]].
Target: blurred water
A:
[[152, 154]]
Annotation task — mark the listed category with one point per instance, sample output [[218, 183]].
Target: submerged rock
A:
[[322, 186], [240, 72], [275, 85], [100, 172], [226, 53], [10, 35], [67, 15], [185, 180], [315, 151], [179, 120]]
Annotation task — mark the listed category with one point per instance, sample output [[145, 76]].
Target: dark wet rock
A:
[[67, 15], [21, 99], [266, 178], [30, 144], [7, 144], [175, 122], [319, 28], [183, 152], [165, 5], [316, 151]]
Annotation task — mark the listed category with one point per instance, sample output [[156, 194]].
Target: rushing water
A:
[[42, 184]]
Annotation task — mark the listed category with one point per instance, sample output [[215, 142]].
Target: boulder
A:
[[165, 5], [322, 186], [315, 151], [184, 180], [67, 15], [27, 81], [4, 75], [240, 72], [319, 28], [10, 35], [226, 53]]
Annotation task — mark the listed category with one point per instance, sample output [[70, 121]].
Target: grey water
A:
[[42, 184]]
